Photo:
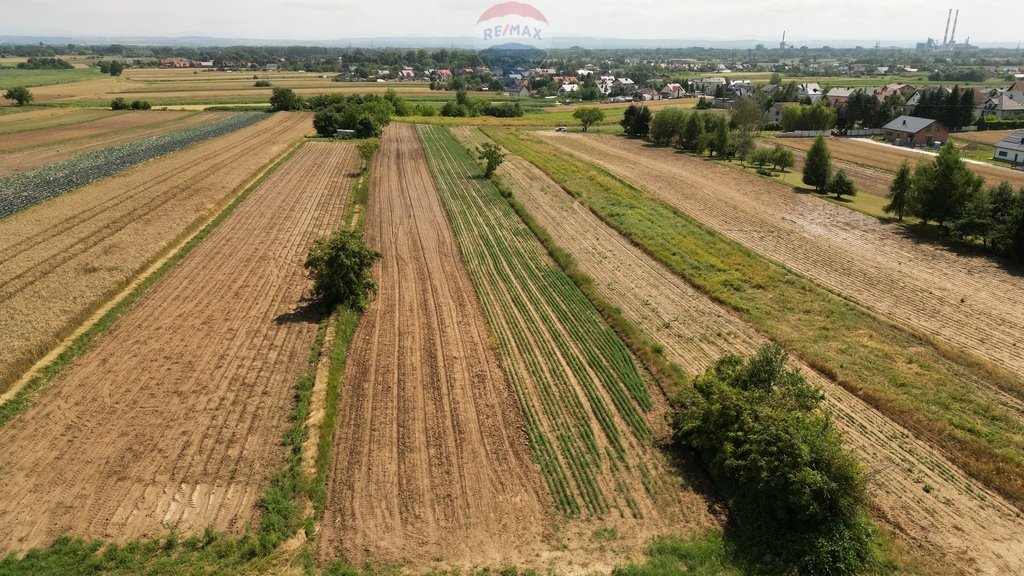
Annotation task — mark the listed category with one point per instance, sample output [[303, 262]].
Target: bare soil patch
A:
[[175, 418], [102, 126], [63, 258]]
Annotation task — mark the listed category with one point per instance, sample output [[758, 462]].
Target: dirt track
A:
[[889, 158], [963, 523], [176, 417], [87, 129], [64, 257], [21, 160], [431, 458], [969, 302]]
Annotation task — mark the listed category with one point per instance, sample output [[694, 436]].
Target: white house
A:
[[1010, 149], [742, 87], [672, 91], [811, 90], [1004, 105], [567, 88]]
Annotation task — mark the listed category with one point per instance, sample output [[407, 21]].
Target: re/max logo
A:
[[512, 31]]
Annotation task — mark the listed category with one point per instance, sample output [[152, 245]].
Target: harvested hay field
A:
[[970, 302], [94, 128], [61, 259], [185, 430], [987, 137], [30, 121], [889, 158], [875, 181], [431, 458], [20, 161], [970, 530]]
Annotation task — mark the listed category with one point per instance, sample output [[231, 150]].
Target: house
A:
[[407, 72], [519, 90], [672, 91], [1010, 149], [769, 89], [567, 88], [810, 90], [914, 131], [1002, 106], [1016, 91], [626, 84], [709, 85], [837, 97], [206, 64], [775, 112], [270, 67], [443, 74], [648, 94], [880, 71], [742, 88]]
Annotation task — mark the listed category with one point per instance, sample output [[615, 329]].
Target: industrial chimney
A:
[[952, 38], [945, 37]]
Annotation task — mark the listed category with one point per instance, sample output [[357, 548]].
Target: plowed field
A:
[[86, 129], [969, 302], [968, 526], [889, 158], [21, 160], [62, 258], [175, 418], [431, 457]]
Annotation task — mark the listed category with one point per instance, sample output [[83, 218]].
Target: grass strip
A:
[[42, 382], [909, 378]]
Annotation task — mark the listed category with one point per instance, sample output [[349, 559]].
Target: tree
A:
[[667, 125], [841, 185], [747, 114], [285, 99], [339, 266], [782, 158], [367, 148], [693, 133], [761, 157], [744, 145], [941, 187], [818, 167], [722, 136], [119, 104], [776, 79], [494, 157], [588, 116], [899, 192], [19, 94], [797, 500], [116, 67], [636, 121]]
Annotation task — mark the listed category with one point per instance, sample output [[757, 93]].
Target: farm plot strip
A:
[[431, 457], [23, 190], [62, 259], [41, 121], [960, 520], [175, 418], [99, 127], [56, 151], [968, 302], [583, 396], [943, 398]]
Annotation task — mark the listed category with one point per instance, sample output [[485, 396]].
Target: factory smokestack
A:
[[945, 37], [952, 38]]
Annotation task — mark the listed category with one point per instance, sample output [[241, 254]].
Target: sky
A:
[[804, 20]]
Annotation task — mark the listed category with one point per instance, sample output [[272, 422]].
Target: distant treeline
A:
[[45, 64]]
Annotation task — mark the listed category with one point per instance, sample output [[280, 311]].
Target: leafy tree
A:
[[367, 148], [941, 187], [747, 114], [327, 122], [776, 79], [636, 121], [841, 185], [140, 105], [899, 192], [262, 84], [339, 266], [19, 94], [782, 158], [667, 125], [588, 116], [116, 67], [284, 99], [761, 157], [975, 218], [119, 104], [494, 157], [744, 145], [796, 498], [722, 137], [818, 167], [399, 104], [693, 133]]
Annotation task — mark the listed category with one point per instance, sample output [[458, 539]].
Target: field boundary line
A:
[[37, 379]]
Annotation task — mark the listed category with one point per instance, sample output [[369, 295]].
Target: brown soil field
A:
[[93, 128], [20, 115], [969, 302], [175, 418], [64, 257], [19, 161], [431, 458], [889, 158], [24, 122], [969, 529], [988, 137]]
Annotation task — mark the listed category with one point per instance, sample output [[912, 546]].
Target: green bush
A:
[[262, 84], [119, 104], [340, 268], [796, 498]]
